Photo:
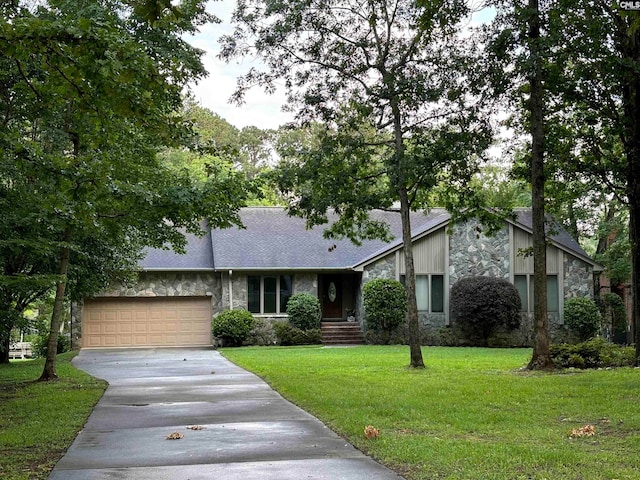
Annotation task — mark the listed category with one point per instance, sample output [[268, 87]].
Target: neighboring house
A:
[[258, 268]]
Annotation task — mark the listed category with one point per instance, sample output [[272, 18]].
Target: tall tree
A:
[[256, 153], [383, 78], [592, 69], [519, 54], [541, 358], [94, 91], [601, 79]]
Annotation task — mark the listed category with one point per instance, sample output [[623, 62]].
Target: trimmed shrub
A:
[[385, 305], [232, 326], [303, 310], [291, 335], [594, 353], [581, 314], [480, 306]]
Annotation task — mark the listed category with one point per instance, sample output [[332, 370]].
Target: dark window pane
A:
[[552, 293], [253, 294], [520, 282], [270, 294], [437, 293], [286, 289]]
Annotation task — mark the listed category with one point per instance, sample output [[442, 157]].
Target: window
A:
[[429, 292], [269, 293], [524, 285]]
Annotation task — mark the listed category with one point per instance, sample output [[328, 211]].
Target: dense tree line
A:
[[91, 91], [400, 105], [101, 154]]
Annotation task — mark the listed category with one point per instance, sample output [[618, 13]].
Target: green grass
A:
[[39, 420], [471, 414]]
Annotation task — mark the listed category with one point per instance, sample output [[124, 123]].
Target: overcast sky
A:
[[262, 110], [213, 92]]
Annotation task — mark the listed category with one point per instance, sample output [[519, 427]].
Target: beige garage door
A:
[[138, 322]]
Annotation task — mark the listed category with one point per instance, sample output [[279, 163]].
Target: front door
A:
[[332, 297]]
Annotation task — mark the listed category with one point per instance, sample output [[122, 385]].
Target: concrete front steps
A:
[[341, 333]]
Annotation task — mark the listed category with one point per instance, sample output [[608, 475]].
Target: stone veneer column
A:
[[472, 253], [578, 278]]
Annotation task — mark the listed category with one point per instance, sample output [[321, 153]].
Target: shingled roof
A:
[[272, 240], [198, 256]]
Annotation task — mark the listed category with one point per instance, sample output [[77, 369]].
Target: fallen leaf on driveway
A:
[[175, 436], [196, 427]]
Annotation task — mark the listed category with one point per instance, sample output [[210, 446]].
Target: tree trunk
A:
[[5, 340], [410, 283], [631, 99], [541, 358], [416, 360], [49, 372]]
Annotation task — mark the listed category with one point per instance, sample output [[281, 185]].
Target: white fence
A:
[[20, 350]]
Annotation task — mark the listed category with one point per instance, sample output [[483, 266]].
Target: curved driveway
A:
[[244, 430]]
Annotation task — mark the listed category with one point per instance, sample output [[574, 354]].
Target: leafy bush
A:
[[291, 335], [39, 344], [613, 311], [482, 305], [232, 326], [385, 304], [582, 315], [303, 310], [261, 334], [594, 353]]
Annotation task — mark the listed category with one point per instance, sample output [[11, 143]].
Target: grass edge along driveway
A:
[[471, 414], [40, 420]]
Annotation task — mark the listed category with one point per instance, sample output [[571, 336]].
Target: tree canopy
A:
[[382, 81], [92, 91]]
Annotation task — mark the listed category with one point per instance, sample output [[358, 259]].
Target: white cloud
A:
[[260, 109], [213, 92]]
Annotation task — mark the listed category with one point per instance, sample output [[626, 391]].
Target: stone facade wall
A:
[[239, 287], [471, 253], [383, 268], [578, 278], [305, 283], [170, 284]]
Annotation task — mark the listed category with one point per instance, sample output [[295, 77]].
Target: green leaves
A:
[[92, 90]]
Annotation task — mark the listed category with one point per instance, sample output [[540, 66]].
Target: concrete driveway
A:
[[245, 430]]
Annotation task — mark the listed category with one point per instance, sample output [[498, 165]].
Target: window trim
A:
[[429, 277], [529, 290], [261, 293]]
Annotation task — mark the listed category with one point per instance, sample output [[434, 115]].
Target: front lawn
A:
[[39, 420], [471, 414]]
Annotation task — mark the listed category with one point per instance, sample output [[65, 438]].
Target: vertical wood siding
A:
[[428, 254], [524, 264]]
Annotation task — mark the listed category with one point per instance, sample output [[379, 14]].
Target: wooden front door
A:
[[332, 297]]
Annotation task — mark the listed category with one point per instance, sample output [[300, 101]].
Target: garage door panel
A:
[[140, 328], [109, 329], [176, 321], [125, 327]]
